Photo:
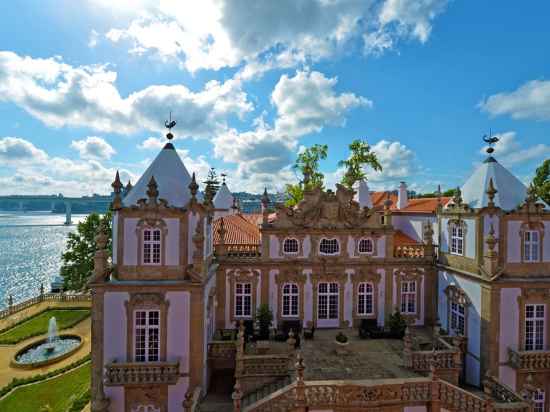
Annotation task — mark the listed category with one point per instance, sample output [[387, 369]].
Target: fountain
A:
[[49, 350]]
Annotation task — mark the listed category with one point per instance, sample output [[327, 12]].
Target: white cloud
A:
[[529, 101], [93, 39], [86, 96], [151, 143], [510, 152], [263, 35], [34, 171], [413, 17], [398, 163], [307, 102], [93, 147], [14, 150]]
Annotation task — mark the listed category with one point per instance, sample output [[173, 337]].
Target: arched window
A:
[[365, 299], [290, 246], [290, 299], [151, 246], [329, 246], [366, 246]]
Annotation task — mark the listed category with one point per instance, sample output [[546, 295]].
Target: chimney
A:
[[363, 195], [402, 199]]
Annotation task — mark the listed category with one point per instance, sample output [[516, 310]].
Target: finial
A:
[[457, 198], [491, 192], [117, 187], [152, 189], [265, 198], [387, 202], [223, 175], [169, 124], [117, 184], [193, 186], [128, 187], [491, 140]]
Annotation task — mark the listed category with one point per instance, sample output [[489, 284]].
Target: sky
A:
[[85, 88]]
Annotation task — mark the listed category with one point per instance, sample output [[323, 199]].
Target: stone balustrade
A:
[[363, 395], [222, 350], [414, 251], [141, 373], [529, 360], [46, 297], [238, 250]]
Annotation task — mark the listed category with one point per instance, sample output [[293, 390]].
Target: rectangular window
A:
[[408, 297], [147, 336], [534, 327], [365, 299], [290, 299], [531, 246], [327, 306], [538, 399], [457, 240], [243, 299], [458, 318], [151, 246]]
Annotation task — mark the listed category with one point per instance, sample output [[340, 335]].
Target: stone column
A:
[[100, 403]]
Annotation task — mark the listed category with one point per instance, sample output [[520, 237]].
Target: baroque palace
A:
[[380, 302]]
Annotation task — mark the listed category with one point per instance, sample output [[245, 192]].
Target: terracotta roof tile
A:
[[418, 205], [240, 229], [401, 239]]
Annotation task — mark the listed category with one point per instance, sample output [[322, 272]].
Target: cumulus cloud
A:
[[93, 147], [307, 101], [398, 163], [264, 35], [510, 152], [93, 39], [529, 101], [34, 171], [59, 95], [151, 143]]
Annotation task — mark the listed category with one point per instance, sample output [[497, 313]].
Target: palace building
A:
[[443, 302]]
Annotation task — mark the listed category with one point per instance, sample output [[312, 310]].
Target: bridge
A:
[[56, 203]]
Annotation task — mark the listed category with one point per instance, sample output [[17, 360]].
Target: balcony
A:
[[141, 373], [238, 250], [535, 360]]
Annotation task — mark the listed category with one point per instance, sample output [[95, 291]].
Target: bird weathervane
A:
[[169, 124], [491, 140]]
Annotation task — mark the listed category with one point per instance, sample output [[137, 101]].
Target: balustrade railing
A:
[[414, 251], [222, 350], [238, 250], [529, 360], [141, 373], [46, 297], [265, 365]]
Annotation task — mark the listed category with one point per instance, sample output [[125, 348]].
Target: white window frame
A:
[[457, 312], [539, 399], [367, 241], [365, 297], [328, 300], [456, 235], [290, 300], [337, 250], [294, 240], [535, 327], [243, 299], [531, 247], [149, 354], [408, 297], [152, 246]]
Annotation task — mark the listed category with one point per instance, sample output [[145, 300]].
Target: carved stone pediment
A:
[[320, 209]]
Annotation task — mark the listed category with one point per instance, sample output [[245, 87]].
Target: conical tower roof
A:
[[510, 191], [223, 198], [171, 176]]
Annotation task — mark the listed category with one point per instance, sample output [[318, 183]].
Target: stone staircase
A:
[[265, 391]]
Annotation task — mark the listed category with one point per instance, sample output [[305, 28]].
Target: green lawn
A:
[[38, 325], [58, 393]]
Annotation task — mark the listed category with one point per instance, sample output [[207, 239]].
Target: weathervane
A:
[[491, 140], [169, 124]]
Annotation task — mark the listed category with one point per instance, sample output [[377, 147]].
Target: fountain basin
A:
[[44, 352]]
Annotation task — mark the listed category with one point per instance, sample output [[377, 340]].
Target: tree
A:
[[78, 258], [360, 156], [541, 181], [212, 184], [307, 163]]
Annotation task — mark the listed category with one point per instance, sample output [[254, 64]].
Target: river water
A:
[[31, 245]]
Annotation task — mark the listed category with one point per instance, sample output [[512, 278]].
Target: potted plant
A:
[[341, 339], [397, 324], [264, 318]]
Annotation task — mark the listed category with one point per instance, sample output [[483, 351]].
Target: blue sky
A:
[[85, 87]]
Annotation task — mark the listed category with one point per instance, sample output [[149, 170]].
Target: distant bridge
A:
[[23, 203]]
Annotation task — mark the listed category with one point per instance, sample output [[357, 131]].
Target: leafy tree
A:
[[264, 317], [449, 193], [78, 258], [212, 184], [541, 181], [360, 156], [307, 163]]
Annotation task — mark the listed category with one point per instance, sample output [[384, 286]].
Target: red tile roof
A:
[[418, 205], [401, 239], [240, 229]]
